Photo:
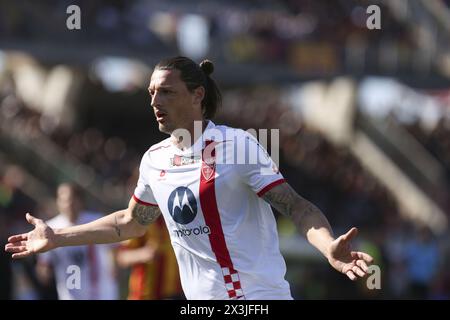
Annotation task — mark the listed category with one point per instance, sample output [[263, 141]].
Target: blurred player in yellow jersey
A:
[[154, 269]]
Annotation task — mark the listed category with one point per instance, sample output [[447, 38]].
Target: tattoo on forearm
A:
[[285, 200], [116, 226], [145, 215], [304, 214], [282, 198], [310, 208]]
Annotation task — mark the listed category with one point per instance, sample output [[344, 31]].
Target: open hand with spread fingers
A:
[[354, 264], [40, 239]]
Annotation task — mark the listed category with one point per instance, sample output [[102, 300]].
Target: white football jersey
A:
[[82, 272], [223, 233]]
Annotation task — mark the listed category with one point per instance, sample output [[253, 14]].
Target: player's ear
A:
[[198, 95]]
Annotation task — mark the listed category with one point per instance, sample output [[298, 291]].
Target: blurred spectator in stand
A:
[[422, 260]]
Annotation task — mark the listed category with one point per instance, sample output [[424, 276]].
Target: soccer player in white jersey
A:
[[81, 272], [216, 209]]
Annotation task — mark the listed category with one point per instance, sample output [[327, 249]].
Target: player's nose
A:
[[156, 100]]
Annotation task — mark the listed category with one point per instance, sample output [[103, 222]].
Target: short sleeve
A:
[[143, 193], [258, 171]]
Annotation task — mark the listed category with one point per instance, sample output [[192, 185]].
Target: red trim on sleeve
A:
[[143, 202], [270, 186]]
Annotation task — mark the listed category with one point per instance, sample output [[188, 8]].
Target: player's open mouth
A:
[[160, 116]]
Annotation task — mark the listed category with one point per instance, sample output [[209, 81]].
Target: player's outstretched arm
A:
[[117, 226], [313, 224]]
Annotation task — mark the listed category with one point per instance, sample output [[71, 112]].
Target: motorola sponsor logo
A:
[[200, 230]]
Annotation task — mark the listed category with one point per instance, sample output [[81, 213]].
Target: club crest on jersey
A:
[[209, 160], [208, 171], [208, 166], [178, 160]]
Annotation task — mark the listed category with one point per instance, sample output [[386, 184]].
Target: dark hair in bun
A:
[[207, 66]]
